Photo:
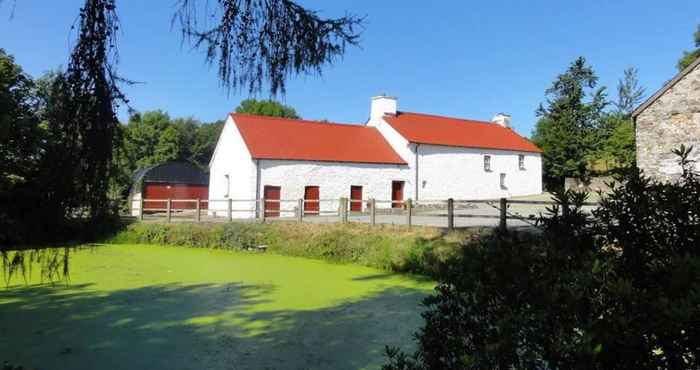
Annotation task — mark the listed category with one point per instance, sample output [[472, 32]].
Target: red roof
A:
[[438, 130], [282, 138]]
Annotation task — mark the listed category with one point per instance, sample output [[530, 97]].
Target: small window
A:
[[227, 184], [521, 162], [503, 181], [487, 163]]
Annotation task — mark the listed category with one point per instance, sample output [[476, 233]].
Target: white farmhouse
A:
[[395, 156]]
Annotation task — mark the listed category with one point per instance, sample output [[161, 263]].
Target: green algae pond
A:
[[158, 307]]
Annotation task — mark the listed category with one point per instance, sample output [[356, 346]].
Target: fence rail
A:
[[449, 213]]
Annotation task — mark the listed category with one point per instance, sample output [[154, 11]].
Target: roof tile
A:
[[292, 139], [438, 130]]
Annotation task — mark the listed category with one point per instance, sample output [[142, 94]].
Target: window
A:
[[521, 162], [487, 163], [503, 181], [227, 184]]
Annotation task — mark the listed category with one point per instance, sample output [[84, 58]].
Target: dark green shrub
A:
[[620, 290]]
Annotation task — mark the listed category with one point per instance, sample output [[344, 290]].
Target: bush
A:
[[417, 250], [620, 290]]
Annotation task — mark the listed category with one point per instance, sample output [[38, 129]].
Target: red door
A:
[[356, 198], [272, 204], [162, 190], [397, 194], [311, 197]]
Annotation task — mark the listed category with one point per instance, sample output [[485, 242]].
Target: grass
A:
[[134, 306]]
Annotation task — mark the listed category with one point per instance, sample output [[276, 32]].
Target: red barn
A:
[[172, 180]]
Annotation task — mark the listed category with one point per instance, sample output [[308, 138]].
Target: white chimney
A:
[[382, 105], [502, 119]]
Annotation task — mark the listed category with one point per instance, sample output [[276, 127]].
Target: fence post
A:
[[450, 214], [565, 208], [503, 208], [199, 210], [409, 212], [300, 210], [373, 211], [263, 210], [169, 208], [343, 210], [229, 209], [141, 208]]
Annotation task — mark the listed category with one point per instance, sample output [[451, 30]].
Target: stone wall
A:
[[594, 184], [673, 119]]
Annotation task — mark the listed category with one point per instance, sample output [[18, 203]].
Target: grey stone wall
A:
[[673, 119], [594, 184]]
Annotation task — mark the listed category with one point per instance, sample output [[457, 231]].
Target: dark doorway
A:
[[311, 200], [397, 194], [356, 198], [272, 201]]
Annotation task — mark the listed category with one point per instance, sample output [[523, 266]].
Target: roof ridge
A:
[[302, 120], [667, 86], [447, 117]]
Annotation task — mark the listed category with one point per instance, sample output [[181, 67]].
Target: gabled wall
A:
[[403, 148], [671, 120], [231, 157]]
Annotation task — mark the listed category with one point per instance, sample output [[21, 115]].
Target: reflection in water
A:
[[52, 264]]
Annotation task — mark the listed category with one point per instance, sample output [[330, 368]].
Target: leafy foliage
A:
[[629, 93], [619, 290], [690, 56], [567, 126], [583, 137], [269, 40], [269, 108], [82, 119], [20, 133]]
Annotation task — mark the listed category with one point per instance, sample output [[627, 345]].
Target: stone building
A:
[[667, 119]]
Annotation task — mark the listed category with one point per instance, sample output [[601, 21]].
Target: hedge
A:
[[399, 249]]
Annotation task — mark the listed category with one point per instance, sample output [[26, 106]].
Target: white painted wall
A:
[[451, 172], [333, 179], [231, 157], [444, 172]]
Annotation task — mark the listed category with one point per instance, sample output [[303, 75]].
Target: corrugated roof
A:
[[438, 130], [293, 139], [173, 172]]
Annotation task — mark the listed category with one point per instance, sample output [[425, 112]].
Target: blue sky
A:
[[468, 59]]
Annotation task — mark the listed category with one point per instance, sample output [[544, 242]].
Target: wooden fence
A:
[[344, 210]]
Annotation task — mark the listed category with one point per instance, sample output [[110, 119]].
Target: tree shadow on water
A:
[[207, 326]]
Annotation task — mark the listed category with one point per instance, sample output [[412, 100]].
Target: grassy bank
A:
[[416, 250]]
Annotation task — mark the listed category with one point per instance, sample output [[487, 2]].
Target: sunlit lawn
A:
[[148, 307]]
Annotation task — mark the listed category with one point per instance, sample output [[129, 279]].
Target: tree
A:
[[266, 108], [567, 128], [205, 142], [629, 93], [256, 41], [20, 134], [690, 56]]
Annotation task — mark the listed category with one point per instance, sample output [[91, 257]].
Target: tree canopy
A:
[[266, 108], [565, 130], [578, 132]]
